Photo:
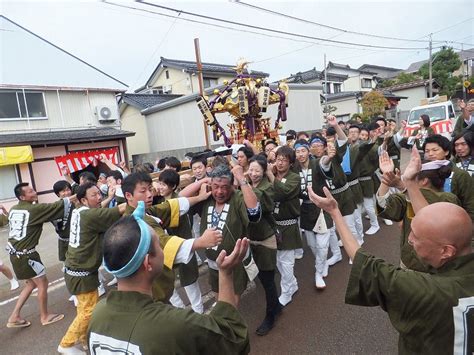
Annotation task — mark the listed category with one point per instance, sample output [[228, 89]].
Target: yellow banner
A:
[[15, 155]]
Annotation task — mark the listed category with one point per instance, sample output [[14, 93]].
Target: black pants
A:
[[267, 278]]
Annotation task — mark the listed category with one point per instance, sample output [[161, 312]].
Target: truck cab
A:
[[441, 112]]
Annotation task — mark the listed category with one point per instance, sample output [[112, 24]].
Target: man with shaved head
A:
[[433, 312]]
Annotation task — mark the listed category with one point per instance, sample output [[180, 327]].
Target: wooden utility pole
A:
[[325, 88], [431, 66], [201, 86]]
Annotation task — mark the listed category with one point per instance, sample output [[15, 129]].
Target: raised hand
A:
[[332, 120], [413, 167], [328, 203], [227, 263], [210, 238], [462, 105], [385, 163], [238, 172], [331, 150], [393, 180]]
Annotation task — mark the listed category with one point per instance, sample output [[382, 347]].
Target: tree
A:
[[404, 78], [373, 104], [445, 62]]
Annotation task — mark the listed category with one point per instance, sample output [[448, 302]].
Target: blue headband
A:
[[301, 145], [142, 249], [317, 140]]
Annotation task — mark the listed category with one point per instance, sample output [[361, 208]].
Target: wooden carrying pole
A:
[[201, 87]]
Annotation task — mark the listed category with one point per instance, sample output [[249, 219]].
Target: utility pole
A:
[[431, 66], [201, 86], [464, 77], [325, 87]]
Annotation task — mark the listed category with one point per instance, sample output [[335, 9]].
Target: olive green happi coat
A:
[[62, 227], [357, 152], [337, 179], [85, 253], [369, 162], [309, 211], [130, 322], [264, 257], [26, 225], [158, 217], [235, 227], [399, 209], [188, 273], [287, 192], [433, 313], [3, 220]]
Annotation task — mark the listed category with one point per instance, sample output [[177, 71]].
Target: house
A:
[[173, 76], [414, 92], [59, 105], [130, 107], [466, 56], [381, 71], [187, 133], [346, 103]]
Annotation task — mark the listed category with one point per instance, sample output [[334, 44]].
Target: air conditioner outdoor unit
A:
[[167, 89], [105, 114]]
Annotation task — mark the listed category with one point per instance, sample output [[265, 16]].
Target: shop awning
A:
[[80, 160], [16, 155]]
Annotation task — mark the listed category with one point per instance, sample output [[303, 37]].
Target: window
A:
[[9, 180], [337, 88], [22, 105], [209, 82], [167, 74], [157, 90], [367, 83]]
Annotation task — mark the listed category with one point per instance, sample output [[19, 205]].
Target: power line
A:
[[326, 26], [232, 28], [276, 31]]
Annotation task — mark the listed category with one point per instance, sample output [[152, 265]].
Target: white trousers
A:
[[369, 205], [358, 223], [333, 242], [350, 221], [319, 245], [288, 283], [194, 294]]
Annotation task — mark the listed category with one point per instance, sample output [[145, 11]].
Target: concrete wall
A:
[[134, 121], [180, 127], [354, 83], [347, 106], [415, 95], [67, 109]]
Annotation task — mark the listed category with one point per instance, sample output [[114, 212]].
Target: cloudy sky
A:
[[128, 43]]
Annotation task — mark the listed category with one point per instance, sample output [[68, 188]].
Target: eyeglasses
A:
[[282, 160]]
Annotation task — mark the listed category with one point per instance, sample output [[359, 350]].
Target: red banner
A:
[[80, 160]]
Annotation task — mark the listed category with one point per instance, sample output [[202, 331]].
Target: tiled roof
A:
[[143, 101], [412, 84], [375, 67], [414, 67], [304, 77], [342, 95], [190, 66], [58, 137]]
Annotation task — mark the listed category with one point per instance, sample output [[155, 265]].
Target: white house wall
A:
[[415, 95], [134, 121], [176, 128], [345, 107], [78, 111]]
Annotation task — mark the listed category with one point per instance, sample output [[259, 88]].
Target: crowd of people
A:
[[250, 213]]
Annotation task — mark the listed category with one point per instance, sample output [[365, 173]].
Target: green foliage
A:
[[445, 62], [404, 78], [373, 104], [386, 83]]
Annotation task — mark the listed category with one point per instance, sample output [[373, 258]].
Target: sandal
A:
[[19, 324], [55, 318]]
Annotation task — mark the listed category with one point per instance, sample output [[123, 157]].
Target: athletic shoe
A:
[[14, 284], [388, 222], [367, 216], [334, 259], [320, 284], [372, 230], [267, 325], [70, 350]]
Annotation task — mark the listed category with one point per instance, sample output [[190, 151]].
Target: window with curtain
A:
[[9, 179]]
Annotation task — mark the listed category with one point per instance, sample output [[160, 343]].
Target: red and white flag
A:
[[80, 160]]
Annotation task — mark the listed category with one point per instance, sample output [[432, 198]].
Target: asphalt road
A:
[[316, 322]]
